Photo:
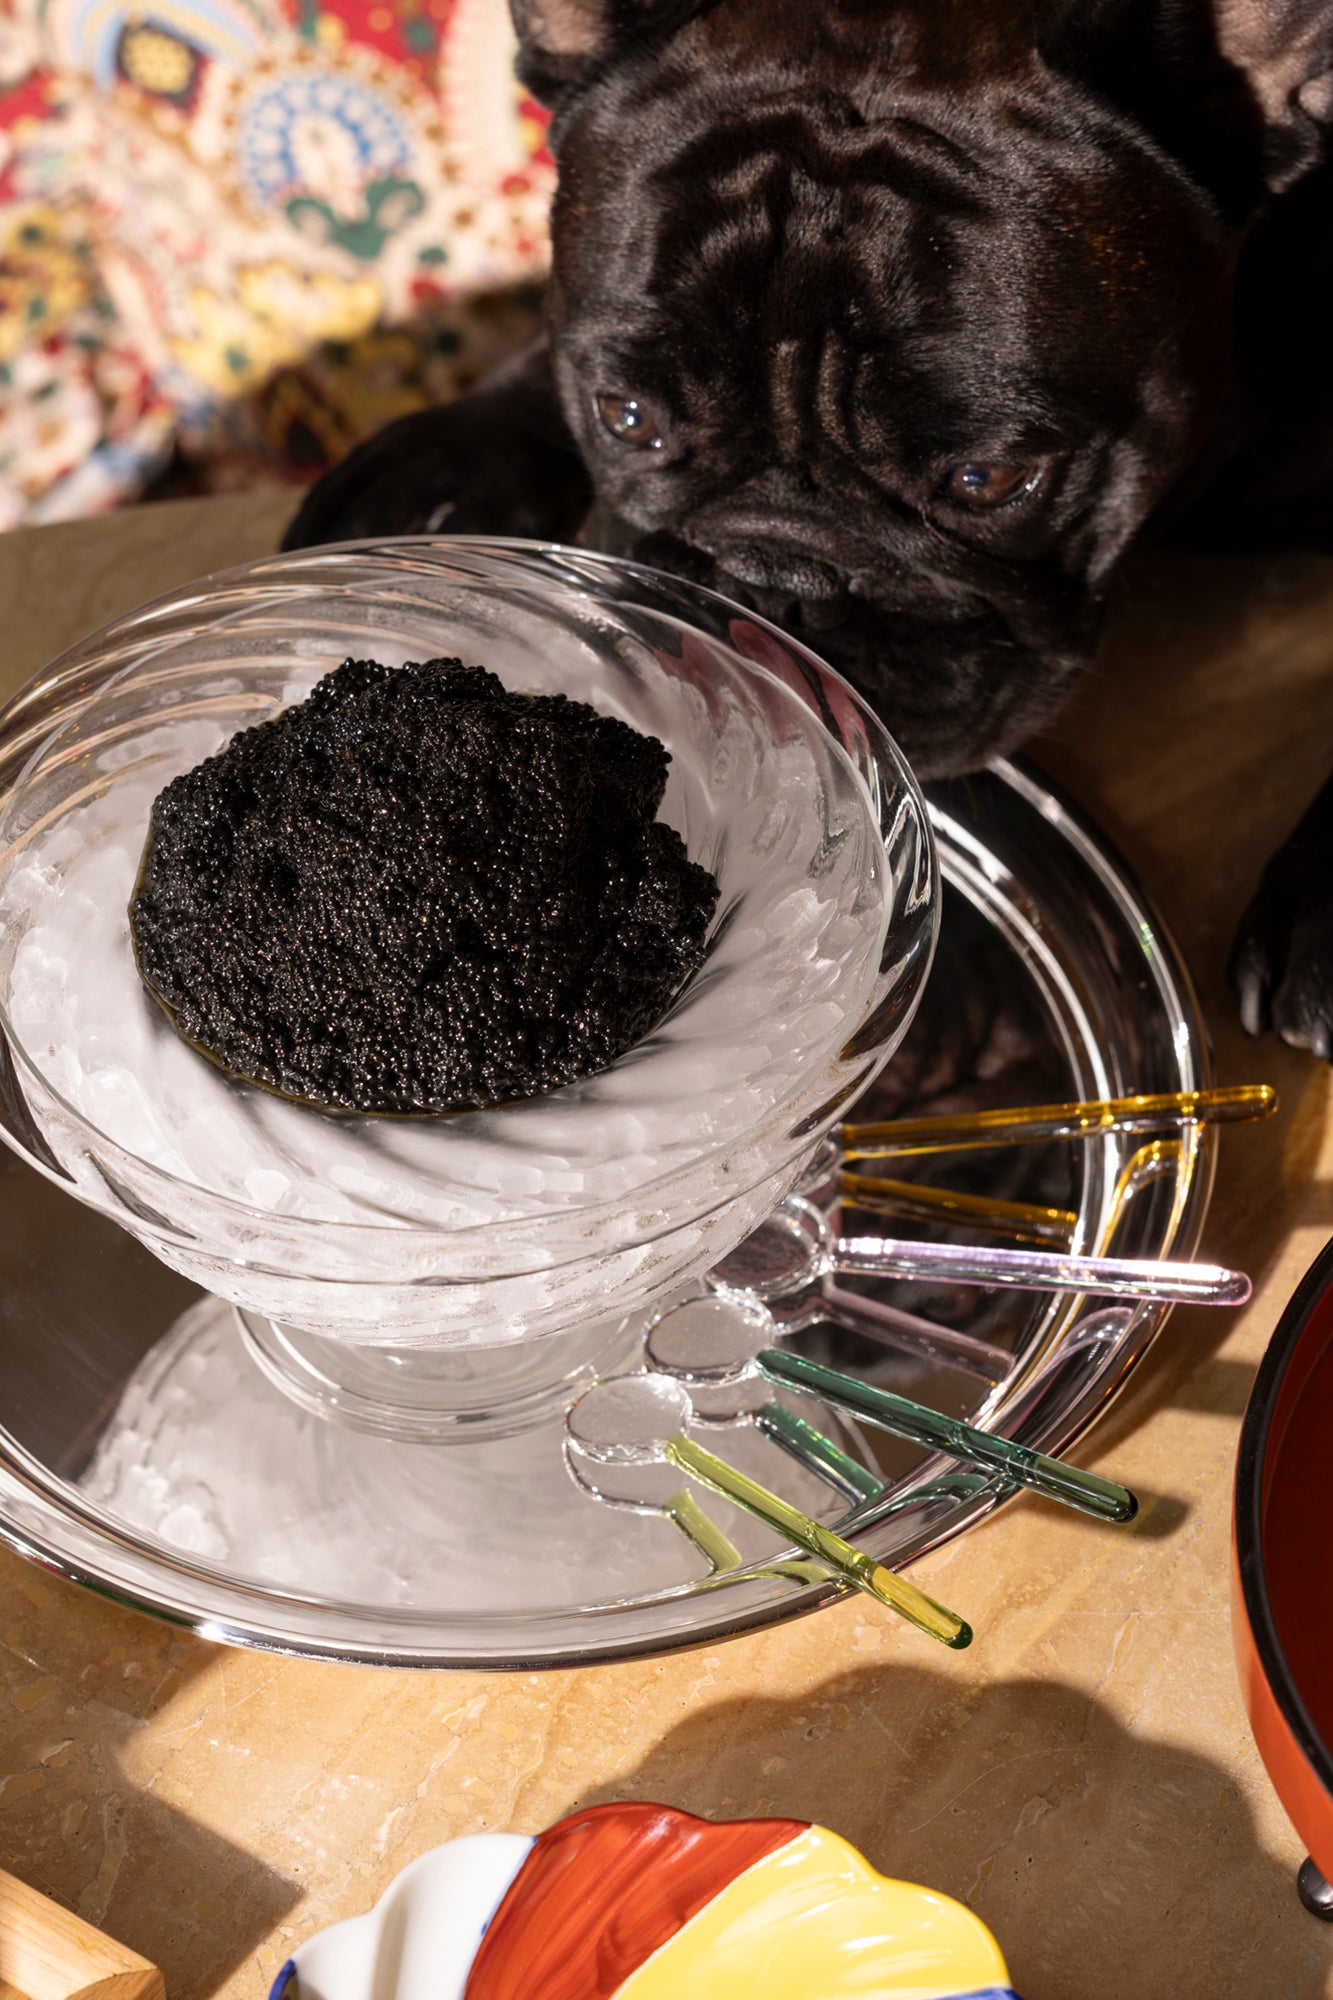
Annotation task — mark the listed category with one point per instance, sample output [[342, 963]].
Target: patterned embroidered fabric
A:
[[238, 235]]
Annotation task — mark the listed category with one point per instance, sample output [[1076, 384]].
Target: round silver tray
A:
[[142, 1451]]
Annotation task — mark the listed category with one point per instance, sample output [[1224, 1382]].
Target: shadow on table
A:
[[1109, 1866], [86, 1683]]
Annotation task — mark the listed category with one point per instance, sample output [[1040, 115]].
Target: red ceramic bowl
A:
[[1282, 1572]]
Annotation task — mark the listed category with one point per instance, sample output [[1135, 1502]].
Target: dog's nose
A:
[[787, 571]]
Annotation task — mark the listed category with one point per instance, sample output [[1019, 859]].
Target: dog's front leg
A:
[[498, 461], [1282, 961]]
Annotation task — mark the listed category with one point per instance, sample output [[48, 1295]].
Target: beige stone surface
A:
[[1083, 1776]]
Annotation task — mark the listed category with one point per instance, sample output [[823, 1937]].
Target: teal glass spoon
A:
[[719, 1344]]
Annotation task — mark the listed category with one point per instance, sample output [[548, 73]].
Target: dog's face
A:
[[876, 319]]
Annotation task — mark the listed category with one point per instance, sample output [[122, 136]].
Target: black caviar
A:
[[417, 892]]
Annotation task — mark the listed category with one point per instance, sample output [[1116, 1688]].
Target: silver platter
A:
[[143, 1452]]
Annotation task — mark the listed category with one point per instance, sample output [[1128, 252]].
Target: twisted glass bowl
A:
[[489, 1228]]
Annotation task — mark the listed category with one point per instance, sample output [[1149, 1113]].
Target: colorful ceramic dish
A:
[[641, 1902], [1282, 1594]]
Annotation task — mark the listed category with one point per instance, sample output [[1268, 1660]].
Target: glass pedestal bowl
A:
[[461, 1275]]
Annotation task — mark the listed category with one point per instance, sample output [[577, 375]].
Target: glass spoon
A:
[[722, 1348], [795, 1247], [899, 1138], [639, 1419]]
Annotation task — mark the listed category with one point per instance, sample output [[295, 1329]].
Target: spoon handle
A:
[[1101, 1498], [717, 1549], [1024, 1221], [1041, 1270], [810, 1448], [838, 1557], [901, 1137]]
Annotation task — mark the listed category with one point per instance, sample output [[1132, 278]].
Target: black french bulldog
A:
[[897, 320]]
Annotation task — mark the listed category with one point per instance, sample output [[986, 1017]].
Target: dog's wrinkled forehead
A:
[[824, 237]]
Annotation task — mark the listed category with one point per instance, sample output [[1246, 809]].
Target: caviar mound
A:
[[417, 892]]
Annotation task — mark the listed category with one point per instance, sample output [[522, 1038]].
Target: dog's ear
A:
[[1284, 50], [1274, 58], [561, 42]]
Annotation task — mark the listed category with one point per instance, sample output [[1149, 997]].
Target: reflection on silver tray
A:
[[143, 1451]]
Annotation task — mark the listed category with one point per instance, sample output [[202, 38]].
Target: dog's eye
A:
[[629, 420], [977, 484]]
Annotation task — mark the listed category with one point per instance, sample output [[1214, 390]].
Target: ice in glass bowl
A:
[[485, 1227]]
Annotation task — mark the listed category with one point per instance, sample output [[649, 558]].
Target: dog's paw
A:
[[1281, 966], [474, 467]]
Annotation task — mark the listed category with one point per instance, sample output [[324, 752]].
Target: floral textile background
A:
[[238, 235]]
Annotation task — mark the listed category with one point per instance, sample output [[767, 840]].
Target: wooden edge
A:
[[47, 1953]]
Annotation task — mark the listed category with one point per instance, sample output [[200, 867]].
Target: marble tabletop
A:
[[1083, 1776]]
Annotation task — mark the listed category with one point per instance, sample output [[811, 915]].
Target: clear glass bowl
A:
[[488, 1228]]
